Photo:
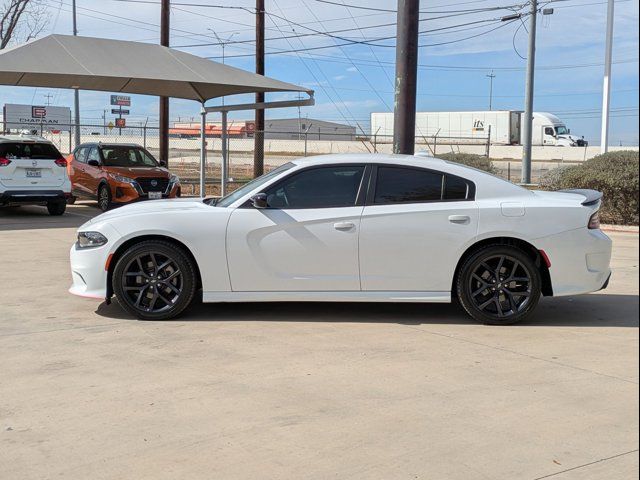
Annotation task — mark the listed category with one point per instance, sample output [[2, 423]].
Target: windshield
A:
[[123, 156], [35, 151], [253, 184], [561, 130]]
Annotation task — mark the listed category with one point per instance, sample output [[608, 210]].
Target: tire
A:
[[56, 208], [485, 291], [71, 200], [104, 197], [157, 292]]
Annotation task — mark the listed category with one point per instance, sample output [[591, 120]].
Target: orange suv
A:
[[118, 174]]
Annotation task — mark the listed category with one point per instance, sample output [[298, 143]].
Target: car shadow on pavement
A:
[[33, 217], [598, 310]]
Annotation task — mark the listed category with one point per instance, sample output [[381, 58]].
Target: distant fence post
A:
[[306, 139], [144, 136]]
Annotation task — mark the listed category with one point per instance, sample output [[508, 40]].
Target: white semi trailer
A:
[[504, 127]]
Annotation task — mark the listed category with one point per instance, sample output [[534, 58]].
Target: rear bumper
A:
[[580, 261], [11, 197]]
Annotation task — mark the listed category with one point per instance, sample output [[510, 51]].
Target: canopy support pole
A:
[[224, 174], [224, 110], [203, 150]]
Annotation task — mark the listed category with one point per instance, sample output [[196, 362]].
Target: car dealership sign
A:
[[47, 118], [121, 100]]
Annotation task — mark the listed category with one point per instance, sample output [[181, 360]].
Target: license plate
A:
[[155, 195], [34, 173]]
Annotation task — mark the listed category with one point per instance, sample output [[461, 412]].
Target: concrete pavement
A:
[[309, 391]]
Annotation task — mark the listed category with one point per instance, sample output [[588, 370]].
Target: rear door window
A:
[[407, 185], [34, 151], [94, 155]]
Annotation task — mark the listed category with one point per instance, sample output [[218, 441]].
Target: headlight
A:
[[121, 179], [174, 179], [91, 239]]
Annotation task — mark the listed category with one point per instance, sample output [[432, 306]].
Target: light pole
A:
[[491, 76], [606, 86], [223, 41]]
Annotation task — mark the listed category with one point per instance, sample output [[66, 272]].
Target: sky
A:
[[462, 42]]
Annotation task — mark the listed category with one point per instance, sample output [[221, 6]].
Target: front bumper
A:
[[127, 193], [16, 197], [580, 261], [88, 268]]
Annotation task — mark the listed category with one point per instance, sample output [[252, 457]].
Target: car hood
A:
[[137, 172], [149, 208]]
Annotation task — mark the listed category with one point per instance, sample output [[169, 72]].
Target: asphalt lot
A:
[[307, 391]]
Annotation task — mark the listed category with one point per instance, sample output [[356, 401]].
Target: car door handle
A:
[[461, 219], [344, 226]]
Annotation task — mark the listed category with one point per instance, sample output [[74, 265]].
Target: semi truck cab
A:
[[548, 130]]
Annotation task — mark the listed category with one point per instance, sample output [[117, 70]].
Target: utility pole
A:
[[404, 126], [527, 132], [258, 136], [606, 86], [164, 101], [48, 96], [491, 77], [76, 92]]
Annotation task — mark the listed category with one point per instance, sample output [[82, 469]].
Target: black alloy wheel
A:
[[104, 197], [499, 285], [154, 280]]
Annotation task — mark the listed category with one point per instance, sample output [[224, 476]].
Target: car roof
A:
[[380, 158], [108, 144], [13, 138]]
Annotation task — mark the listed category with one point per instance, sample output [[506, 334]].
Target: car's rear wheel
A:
[[56, 208], [499, 285], [104, 197], [154, 280]]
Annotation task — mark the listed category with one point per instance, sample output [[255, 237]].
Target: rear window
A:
[[36, 151]]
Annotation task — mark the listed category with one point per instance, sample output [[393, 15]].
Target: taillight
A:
[[61, 162], [594, 221], [4, 162]]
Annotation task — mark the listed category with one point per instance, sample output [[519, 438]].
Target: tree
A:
[[21, 20]]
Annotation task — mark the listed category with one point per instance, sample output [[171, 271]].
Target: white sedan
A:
[[350, 228]]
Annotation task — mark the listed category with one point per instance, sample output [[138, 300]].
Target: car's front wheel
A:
[[104, 197], [154, 280], [499, 285]]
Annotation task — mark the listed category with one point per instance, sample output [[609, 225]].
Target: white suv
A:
[[33, 172]]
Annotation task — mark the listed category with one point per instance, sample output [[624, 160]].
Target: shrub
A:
[[471, 160], [615, 174]]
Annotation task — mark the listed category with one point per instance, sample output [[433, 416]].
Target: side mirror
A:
[[163, 163], [93, 163], [259, 200]]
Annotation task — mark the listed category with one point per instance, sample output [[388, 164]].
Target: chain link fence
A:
[[184, 149]]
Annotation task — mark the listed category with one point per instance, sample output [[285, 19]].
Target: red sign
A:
[[121, 122], [38, 112]]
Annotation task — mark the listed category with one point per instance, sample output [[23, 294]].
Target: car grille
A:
[[153, 184]]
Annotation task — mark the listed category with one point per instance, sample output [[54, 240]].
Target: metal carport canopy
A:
[[87, 63]]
